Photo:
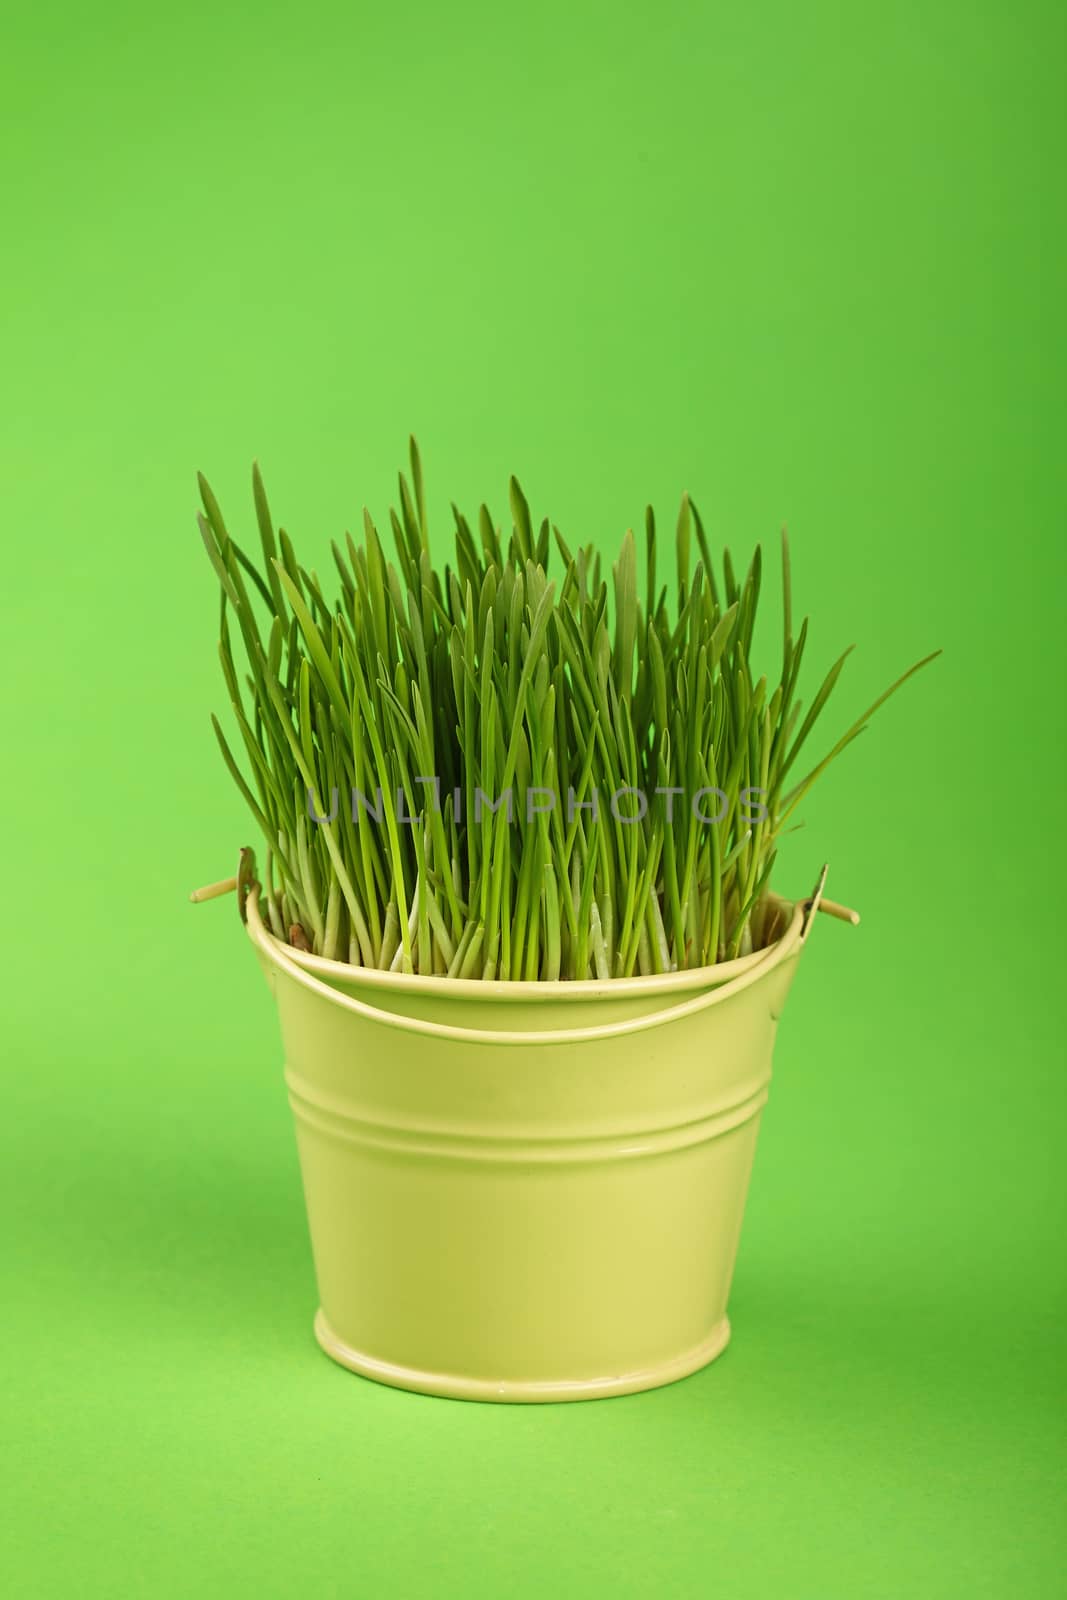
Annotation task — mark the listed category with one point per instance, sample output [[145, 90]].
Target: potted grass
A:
[[519, 820]]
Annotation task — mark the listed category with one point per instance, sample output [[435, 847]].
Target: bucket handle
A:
[[789, 943]]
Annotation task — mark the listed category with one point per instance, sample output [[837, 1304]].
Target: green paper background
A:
[[806, 261]]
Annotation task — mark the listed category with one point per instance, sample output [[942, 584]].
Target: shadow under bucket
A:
[[521, 1194]]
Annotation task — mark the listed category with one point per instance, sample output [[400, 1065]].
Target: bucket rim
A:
[[537, 990], [279, 962]]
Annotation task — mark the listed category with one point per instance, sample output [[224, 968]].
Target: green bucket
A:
[[527, 1192]]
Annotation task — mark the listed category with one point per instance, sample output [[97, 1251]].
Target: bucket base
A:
[[455, 1387]]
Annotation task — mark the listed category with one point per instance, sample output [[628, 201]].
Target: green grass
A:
[[491, 676]]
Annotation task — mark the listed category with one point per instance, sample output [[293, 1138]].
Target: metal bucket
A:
[[526, 1192]]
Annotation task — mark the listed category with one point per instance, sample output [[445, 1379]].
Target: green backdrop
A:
[[806, 261]]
